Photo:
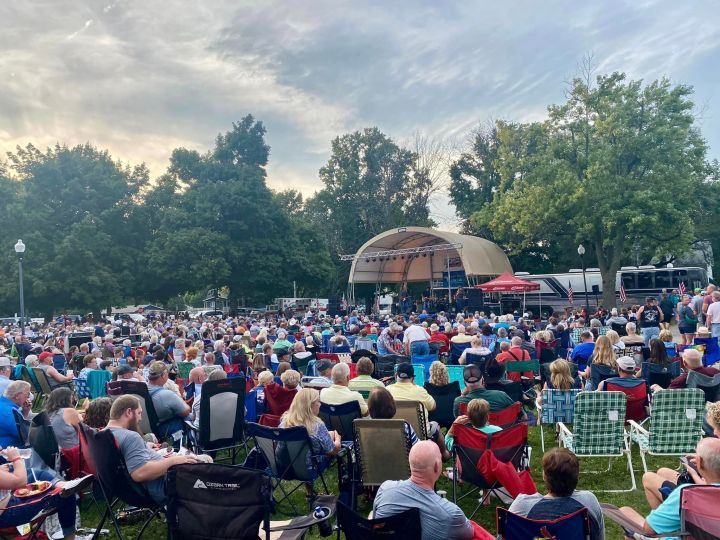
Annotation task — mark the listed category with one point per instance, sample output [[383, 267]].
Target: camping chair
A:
[[709, 385], [656, 374], [59, 362], [599, 429], [413, 412], [149, 422], [557, 406], [340, 418], [289, 461], [384, 366], [546, 352], [381, 451], [425, 360], [301, 363], [600, 372], [574, 526], [522, 366], [277, 398], [513, 389], [246, 494], [619, 328], [699, 518], [545, 372], [41, 438], [82, 390], [455, 373], [636, 391], [42, 382], [419, 374], [97, 380], [710, 349], [222, 422], [183, 370], [444, 397], [675, 424], [35, 524], [402, 526], [114, 480], [456, 350], [507, 446], [504, 418], [479, 360]]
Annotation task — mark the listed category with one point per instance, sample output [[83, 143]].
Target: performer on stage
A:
[[460, 301]]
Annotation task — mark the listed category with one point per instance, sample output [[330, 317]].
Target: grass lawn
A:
[[616, 478]]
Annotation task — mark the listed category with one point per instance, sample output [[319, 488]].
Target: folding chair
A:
[[456, 350], [114, 480], [413, 412], [381, 451], [82, 391], [419, 374], [557, 406], [675, 424], [444, 397], [599, 429], [42, 382], [97, 380], [222, 417], [22, 426], [636, 391], [183, 369], [149, 422], [384, 366], [513, 389], [42, 439], [656, 374], [402, 526], [288, 454], [508, 446], [516, 368], [546, 351], [504, 418], [574, 526], [340, 418], [455, 373], [424, 360], [710, 349], [699, 518], [277, 398], [478, 359], [709, 385], [246, 494]]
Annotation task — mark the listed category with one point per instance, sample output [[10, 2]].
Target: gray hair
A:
[[595, 323], [15, 388], [709, 451], [516, 341], [340, 373], [502, 332], [219, 344], [630, 327]]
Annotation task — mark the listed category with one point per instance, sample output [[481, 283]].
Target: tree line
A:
[[621, 166]]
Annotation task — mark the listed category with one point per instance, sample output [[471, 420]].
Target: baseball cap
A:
[[697, 290], [472, 373], [156, 370], [626, 363], [4, 361], [124, 370], [45, 355], [322, 365], [405, 370]]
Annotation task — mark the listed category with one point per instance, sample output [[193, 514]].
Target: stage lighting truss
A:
[[410, 253]]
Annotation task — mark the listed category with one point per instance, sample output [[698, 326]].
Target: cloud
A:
[[85, 27]]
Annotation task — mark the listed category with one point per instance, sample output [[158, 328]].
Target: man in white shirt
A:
[[416, 339], [712, 317], [339, 393]]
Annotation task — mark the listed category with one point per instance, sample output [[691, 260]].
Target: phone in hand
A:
[[687, 464]]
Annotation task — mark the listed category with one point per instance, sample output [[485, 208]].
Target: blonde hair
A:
[[560, 376], [603, 353], [475, 342], [613, 336], [544, 336], [265, 377], [439, 374], [290, 378], [300, 411], [666, 336], [713, 414], [478, 411]]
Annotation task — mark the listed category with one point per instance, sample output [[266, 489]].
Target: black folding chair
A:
[[709, 385], [444, 397], [340, 418], [656, 374], [402, 526], [600, 372], [222, 417], [514, 389], [23, 427], [246, 494], [149, 422], [42, 439]]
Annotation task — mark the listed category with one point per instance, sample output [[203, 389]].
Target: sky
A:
[[142, 77]]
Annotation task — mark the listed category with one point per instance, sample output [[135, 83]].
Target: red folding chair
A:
[[278, 398], [637, 398], [504, 418]]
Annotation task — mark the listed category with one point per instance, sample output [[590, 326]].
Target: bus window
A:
[[645, 280], [680, 275], [628, 280], [697, 277], [663, 280]]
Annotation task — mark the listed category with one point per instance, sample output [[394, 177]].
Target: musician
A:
[[460, 300]]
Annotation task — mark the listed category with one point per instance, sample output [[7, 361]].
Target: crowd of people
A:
[[175, 357]]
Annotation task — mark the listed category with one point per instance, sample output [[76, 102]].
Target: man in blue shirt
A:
[[582, 352], [666, 517], [16, 396]]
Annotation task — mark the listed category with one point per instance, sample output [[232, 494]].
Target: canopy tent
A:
[[506, 282]]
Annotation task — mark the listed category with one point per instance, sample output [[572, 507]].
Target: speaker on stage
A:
[[334, 305], [473, 299]]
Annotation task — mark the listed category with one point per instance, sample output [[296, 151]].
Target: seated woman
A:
[[381, 406], [666, 336], [290, 379], [197, 377], [304, 412], [478, 412], [97, 413], [602, 354], [617, 345], [475, 348], [63, 416], [16, 511], [658, 352]]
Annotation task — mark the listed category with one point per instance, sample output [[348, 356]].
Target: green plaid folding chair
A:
[[599, 430], [676, 418], [557, 406], [183, 370]]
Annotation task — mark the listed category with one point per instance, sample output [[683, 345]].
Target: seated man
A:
[[475, 389], [666, 517], [339, 393], [561, 470], [144, 465], [170, 408], [514, 352], [323, 368], [54, 377], [692, 361], [584, 349], [439, 518], [16, 396], [626, 374], [364, 381]]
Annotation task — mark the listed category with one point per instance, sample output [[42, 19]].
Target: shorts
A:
[[685, 328], [666, 488]]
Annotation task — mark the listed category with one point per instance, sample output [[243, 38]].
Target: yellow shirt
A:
[[338, 394]]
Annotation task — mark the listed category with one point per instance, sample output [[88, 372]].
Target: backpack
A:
[[689, 319]]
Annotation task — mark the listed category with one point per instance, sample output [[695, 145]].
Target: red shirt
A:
[[679, 382], [515, 354], [442, 337]]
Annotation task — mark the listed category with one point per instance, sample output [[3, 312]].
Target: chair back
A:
[[42, 381], [599, 426], [285, 451], [558, 406], [340, 418], [22, 425], [710, 348], [514, 389], [521, 366], [545, 373], [420, 374], [600, 372], [709, 385], [514, 527], [222, 413], [676, 421], [29, 378], [87, 464], [444, 397], [97, 380], [42, 439], [425, 360], [193, 495], [698, 511], [505, 417], [183, 369], [384, 366], [656, 374], [456, 350], [82, 390], [149, 420], [619, 328], [455, 373], [381, 450], [479, 360], [278, 398], [59, 362], [301, 363], [269, 420], [402, 526], [546, 351], [413, 412], [636, 391]]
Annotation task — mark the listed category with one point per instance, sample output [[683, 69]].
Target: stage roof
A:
[[477, 256]]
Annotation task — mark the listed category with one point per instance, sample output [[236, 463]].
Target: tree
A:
[[619, 164]]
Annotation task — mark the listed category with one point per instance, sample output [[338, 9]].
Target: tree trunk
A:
[[608, 282]]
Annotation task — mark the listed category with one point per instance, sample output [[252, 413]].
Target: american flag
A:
[[571, 294], [344, 303], [623, 296], [681, 289]]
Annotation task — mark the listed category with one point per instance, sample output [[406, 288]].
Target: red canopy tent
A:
[[508, 283]]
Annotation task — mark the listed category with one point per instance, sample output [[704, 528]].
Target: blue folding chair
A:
[[82, 390], [574, 526], [712, 350], [456, 350], [424, 360]]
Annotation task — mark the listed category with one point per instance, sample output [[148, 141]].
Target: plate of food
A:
[[33, 489]]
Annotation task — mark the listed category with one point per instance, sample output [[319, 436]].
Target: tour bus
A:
[[638, 281], [299, 306]]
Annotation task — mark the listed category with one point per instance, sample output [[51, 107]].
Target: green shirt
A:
[[497, 399]]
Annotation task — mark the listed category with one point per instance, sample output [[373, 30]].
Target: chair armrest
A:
[[304, 522], [634, 426], [614, 514], [191, 426], [564, 429]]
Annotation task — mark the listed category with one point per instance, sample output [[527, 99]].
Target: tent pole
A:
[[447, 260]]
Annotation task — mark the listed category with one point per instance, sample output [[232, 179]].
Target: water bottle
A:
[[325, 527]]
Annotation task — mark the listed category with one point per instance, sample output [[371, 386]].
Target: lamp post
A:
[[581, 252], [20, 250]]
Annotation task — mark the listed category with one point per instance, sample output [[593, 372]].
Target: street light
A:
[[20, 250], [581, 252]]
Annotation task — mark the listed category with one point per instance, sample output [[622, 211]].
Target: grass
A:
[[616, 478]]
